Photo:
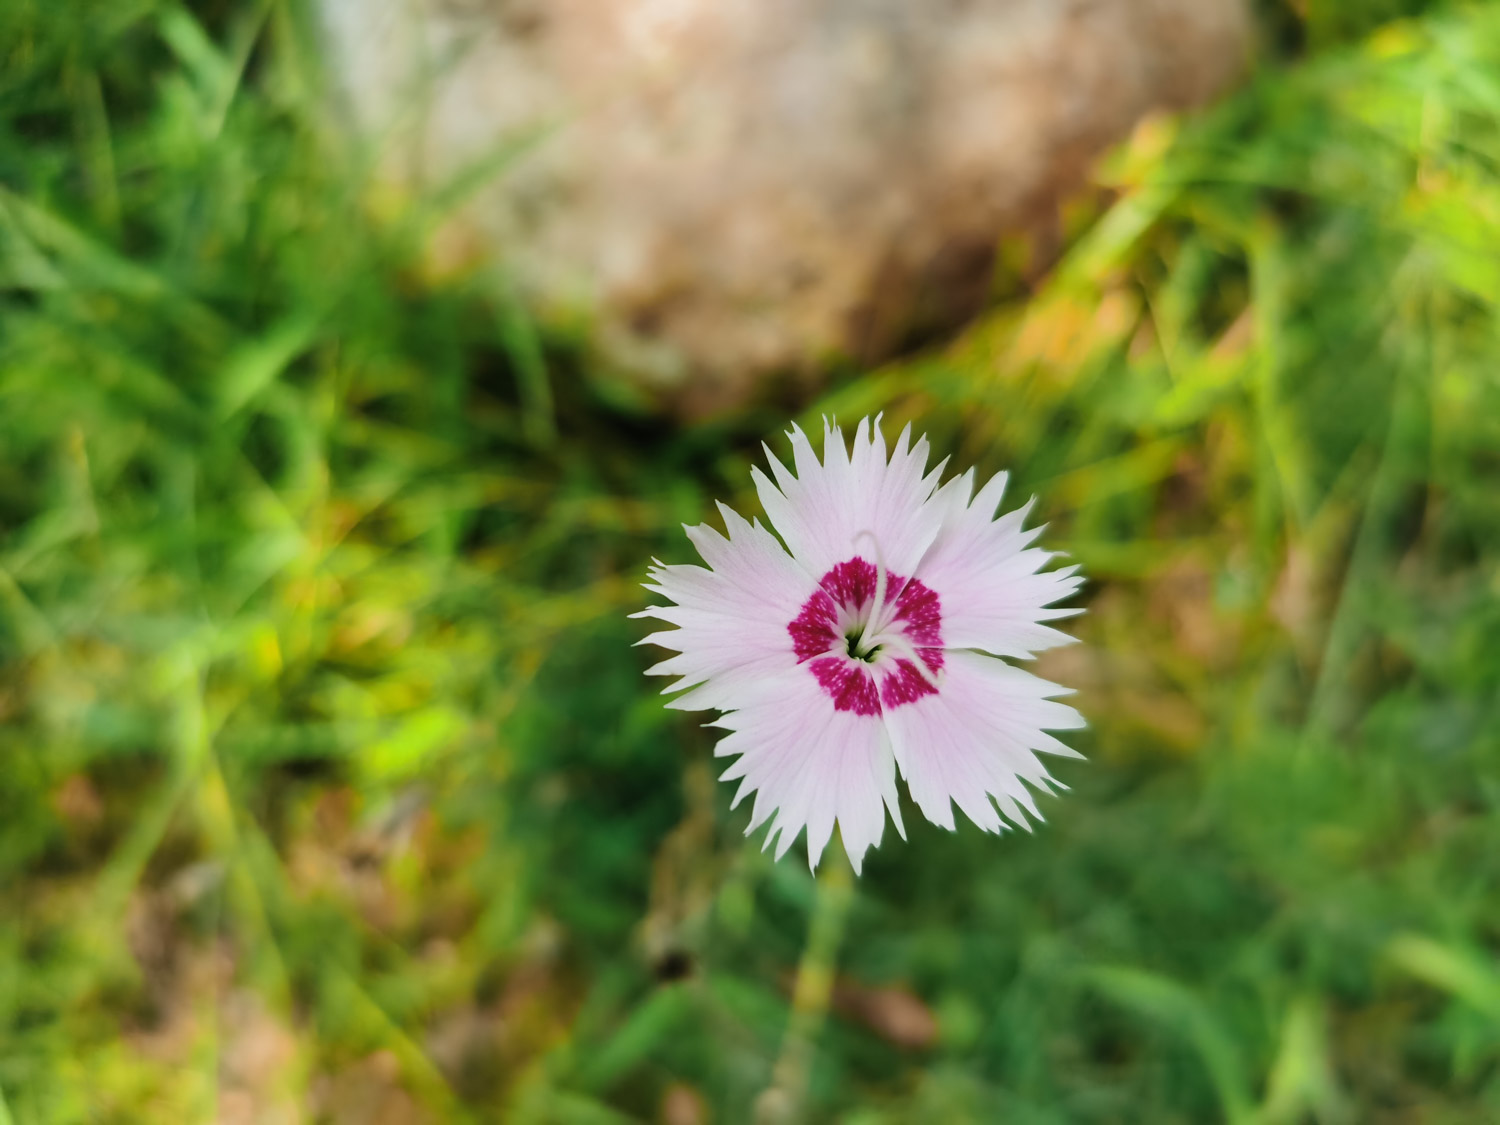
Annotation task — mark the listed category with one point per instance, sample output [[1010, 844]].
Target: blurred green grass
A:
[[331, 788]]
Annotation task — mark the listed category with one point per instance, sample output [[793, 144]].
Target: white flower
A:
[[871, 642]]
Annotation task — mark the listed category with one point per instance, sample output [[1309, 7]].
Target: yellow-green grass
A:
[[328, 775]]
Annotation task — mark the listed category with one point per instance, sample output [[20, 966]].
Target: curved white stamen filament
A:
[[898, 644], [877, 608], [886, 607]]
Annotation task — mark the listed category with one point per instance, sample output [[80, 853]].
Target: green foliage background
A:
[[330, 787]]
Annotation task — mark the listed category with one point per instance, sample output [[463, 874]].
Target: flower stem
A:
[[782, 1102]]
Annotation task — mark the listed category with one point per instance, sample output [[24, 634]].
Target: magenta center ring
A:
[[863, 655]]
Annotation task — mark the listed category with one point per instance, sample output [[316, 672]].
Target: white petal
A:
[[811, 766], [977, 739], [824, 510], [986, 577], [731, 616]]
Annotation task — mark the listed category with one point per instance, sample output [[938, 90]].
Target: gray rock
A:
[[728, 190]]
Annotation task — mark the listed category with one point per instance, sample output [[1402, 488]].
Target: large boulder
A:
[[729, 190]]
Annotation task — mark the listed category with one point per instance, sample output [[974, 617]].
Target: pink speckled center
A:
[[861, 653]]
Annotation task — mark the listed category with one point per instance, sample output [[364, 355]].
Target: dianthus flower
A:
[[874, 640]]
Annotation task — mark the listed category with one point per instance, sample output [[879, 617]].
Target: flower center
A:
[[861, 649], [873, 640]]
